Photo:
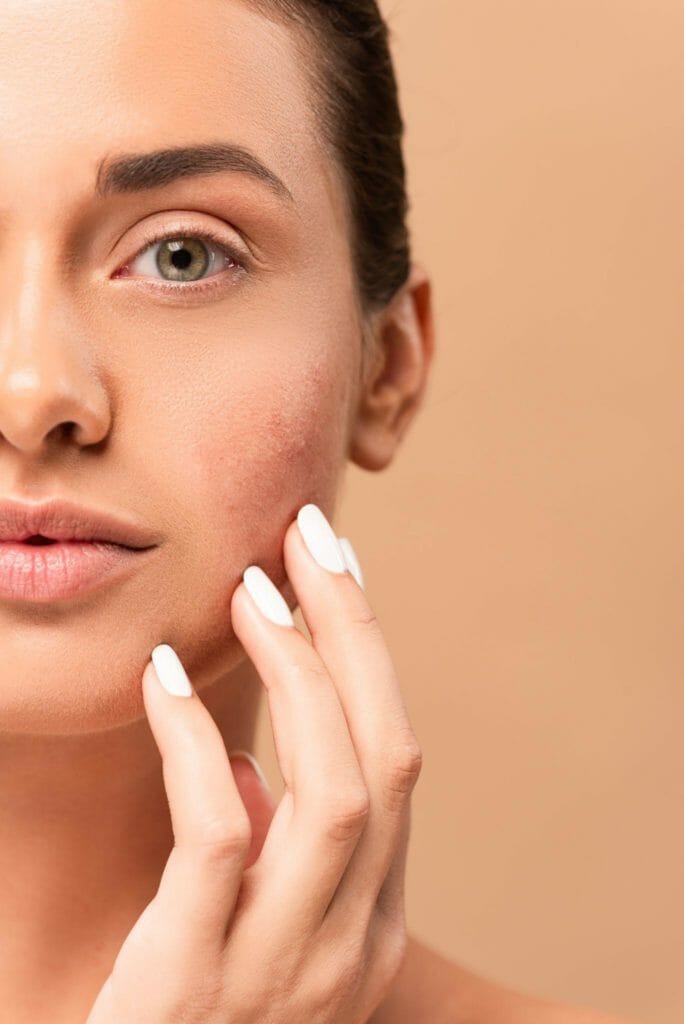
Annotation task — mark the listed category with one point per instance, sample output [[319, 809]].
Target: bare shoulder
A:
[[430, 989]]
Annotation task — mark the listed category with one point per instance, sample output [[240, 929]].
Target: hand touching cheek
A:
[[292, 912]]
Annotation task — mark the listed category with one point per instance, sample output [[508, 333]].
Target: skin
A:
[[211, 416]]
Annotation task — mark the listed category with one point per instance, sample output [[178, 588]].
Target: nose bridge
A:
[[46, 374]]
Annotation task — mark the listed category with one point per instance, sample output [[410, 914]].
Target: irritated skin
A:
[[221, 414], [211, 417]]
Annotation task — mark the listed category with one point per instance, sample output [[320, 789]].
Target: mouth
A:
[[41, 569], [61, 520], [38, 540]]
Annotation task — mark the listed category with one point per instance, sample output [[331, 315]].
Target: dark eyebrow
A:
[[135, 172]]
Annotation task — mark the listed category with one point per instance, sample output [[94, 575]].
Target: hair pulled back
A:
[[358, 109]]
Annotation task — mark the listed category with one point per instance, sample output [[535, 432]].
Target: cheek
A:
[[240, 449], [270, 448]]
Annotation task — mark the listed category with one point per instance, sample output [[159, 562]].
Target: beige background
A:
[[525, 551]]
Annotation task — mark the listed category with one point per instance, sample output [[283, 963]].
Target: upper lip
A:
[[65, 520]]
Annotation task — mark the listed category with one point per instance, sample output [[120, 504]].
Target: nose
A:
[[49, 389]]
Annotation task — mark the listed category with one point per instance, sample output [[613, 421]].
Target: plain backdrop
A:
[[524, 553]]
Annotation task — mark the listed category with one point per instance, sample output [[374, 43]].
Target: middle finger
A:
[[348, 639]]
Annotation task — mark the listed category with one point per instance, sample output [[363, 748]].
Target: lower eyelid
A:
[[215, 283]]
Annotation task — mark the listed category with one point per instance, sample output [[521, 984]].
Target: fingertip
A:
[[168, 670], [266, 596], [352, 561], [245, 755], [239, 604]]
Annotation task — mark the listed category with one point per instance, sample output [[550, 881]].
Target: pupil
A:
[[181, 258]]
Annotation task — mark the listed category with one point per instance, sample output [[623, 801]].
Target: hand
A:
[[312, 929]]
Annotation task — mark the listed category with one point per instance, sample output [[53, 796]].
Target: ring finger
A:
[[317, 823]]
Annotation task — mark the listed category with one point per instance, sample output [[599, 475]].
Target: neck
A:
[[86, 832]]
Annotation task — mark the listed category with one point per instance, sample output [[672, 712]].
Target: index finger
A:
[[212, 831]]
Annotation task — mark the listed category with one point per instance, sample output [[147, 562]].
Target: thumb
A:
[[256, 796]]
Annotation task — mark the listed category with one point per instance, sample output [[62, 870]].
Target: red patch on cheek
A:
[[296, 455], [258, 454], [256, 467]]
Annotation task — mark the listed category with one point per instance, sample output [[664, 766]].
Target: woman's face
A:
[[210, 412]]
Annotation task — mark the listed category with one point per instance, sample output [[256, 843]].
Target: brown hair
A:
[[358, 107]]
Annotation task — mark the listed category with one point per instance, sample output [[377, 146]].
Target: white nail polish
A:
[[352, 561], [267, 597], [255, 764], [170, 671], [320, 539]]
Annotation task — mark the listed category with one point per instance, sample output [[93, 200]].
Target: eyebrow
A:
[[136, 172]]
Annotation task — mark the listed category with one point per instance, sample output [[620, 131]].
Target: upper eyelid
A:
[[164, 234], [181, 220]]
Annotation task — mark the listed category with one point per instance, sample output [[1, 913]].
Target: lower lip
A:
[[50, 572]]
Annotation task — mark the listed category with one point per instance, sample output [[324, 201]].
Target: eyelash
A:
[[205, 284]]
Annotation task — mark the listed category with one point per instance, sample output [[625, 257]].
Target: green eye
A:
[[184, 261]]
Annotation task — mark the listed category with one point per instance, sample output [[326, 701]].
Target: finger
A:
[[211, 827], [317, 824], [347, 637], [390, 901], [256, 796]]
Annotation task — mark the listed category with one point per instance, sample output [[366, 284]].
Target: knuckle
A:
[[347, 817], [389, 945], [367, 619], [404, 767], [342, 973], [393, 948], [402, 770], [301, 676], [203, 1004], [346, 975], [225, 840]]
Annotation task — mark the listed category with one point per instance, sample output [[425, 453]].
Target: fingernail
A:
[[255, 764], [267, 597], [352, 561], [320, 539], [170, 671]]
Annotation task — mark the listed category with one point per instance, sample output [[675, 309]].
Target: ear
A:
[[399, 351]]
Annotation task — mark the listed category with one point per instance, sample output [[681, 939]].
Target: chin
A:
[[67, 676]]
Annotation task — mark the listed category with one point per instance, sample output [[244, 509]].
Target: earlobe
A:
[[394, 385]]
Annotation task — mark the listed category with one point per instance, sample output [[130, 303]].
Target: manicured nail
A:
[[255, 764], [170, 671], [352, 561], [320, 539], [267, 597]]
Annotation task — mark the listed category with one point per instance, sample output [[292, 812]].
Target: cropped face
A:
[[194, 319]]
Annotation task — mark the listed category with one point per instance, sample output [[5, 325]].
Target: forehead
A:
[[84, 80]]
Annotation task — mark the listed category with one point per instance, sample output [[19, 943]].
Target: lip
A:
[[90, 547], [65, 520], [51, 572]]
